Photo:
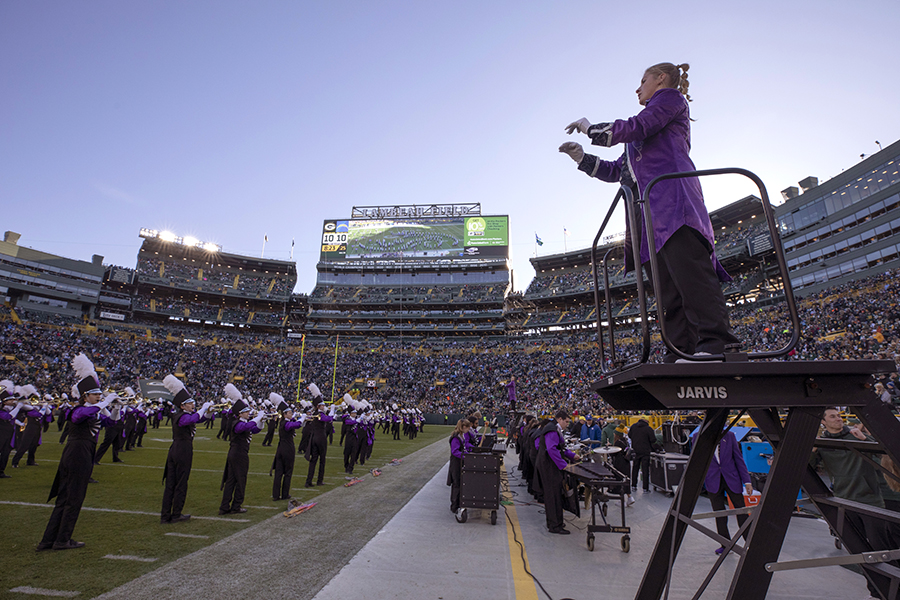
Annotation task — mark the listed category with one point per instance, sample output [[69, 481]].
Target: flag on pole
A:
[[537, 240], [566, 232], [266, 238]]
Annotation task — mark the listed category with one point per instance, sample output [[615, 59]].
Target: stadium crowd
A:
[[856, 320]]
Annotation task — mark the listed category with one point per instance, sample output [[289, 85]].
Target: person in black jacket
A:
[[237, 463], [551, 460], [76, 463], [285, 454], [643, 442], [181, 452]]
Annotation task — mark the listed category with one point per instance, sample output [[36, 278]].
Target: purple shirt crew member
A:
[[458, 448]]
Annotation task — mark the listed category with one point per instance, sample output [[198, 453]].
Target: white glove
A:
[[204, 408], [574, 150], [258, 420], [581, 125], [105, 402], [333, 411]]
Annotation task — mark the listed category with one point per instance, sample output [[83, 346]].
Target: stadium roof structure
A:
[[221, 258]]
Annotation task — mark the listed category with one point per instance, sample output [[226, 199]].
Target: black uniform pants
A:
[[284, 471], [696, 317], [178, 470], [717, 501], [316, 456]]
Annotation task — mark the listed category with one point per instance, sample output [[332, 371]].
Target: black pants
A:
[[178, 470], [5, 449], [717, 500], [351, 451], [453, 479], [284, 472], [236, 483], [316, 455], [109, 440], [696, 317], [641, 464], [552, 484]]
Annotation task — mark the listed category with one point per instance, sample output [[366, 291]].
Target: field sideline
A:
[[120, 519]]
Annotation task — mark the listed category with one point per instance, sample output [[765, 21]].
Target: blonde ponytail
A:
[[676, 76]]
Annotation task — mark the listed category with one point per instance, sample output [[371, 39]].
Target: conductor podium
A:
[[786, 399]]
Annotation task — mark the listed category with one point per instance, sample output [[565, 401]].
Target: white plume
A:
[[27, 391], [130, 391], [75, 393], [348, 399], [276, 399], [314, 390], [173, 384], [8, 385], [83, 366], [232, 392]]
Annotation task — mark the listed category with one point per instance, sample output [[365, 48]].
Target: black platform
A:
[[741, 385]]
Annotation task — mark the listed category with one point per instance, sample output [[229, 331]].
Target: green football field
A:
[[120, 519], [393, 236]]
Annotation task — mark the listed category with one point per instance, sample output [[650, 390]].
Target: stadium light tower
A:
[[167, 236], [191, 241]]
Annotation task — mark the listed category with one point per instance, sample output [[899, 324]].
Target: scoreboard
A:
[[415, 237]]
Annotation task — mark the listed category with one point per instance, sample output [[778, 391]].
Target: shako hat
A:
[[176, 387], [88, 381]]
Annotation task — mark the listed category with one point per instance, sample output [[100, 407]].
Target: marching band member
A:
[[181, 452], [140, 427], [458, 448], [317, 446], [351, 441], [30, 439], [551, 460], [395, 423], [75, 465], [111, 436], [283, 463], [234, 478], [62, 413], [271, 425], [10, 408]]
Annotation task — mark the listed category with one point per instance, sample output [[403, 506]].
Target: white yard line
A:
[[187, 535], [124, 512], [24, 589], [129, 557]]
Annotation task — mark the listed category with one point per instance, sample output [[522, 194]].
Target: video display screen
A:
[[419, 238]]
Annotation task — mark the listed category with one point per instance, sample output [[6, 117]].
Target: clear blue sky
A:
[[229, 121]]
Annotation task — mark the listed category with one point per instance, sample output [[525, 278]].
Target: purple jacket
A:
[[730, 466], [657, 141]]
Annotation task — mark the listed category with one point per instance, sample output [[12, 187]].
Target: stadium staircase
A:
[[270, 286], [15, 317]]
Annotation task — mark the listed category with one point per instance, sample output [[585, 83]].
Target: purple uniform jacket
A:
[[553, 440], [458, 446], [730, 466], [657, 141], [242, 426]]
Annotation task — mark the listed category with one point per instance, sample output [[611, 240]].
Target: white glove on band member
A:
[[581, 125], [574, 150]]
